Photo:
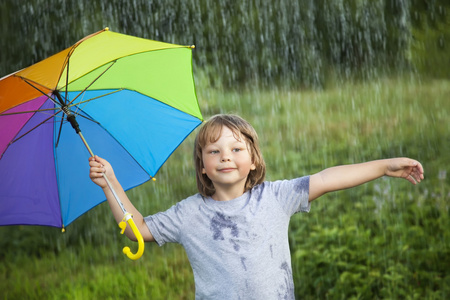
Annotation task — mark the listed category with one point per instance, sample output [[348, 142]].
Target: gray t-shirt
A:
[[238, 249]]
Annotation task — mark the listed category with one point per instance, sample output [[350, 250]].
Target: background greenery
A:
[[303, 43], [324, 83]]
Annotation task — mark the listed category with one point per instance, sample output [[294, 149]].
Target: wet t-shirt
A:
[[238, 249]]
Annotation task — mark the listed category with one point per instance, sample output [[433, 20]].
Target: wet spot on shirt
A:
[[220, 224], [236, 247], [162, 225], [243, 259], [286, 290], [276, 192], [303, 187]]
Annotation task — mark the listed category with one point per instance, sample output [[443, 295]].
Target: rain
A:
[[324, 83]]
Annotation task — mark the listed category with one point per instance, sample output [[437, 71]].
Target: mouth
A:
[[226, 170]]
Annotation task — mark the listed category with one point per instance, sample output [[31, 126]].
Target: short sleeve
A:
[[293, 195], [165, 226]]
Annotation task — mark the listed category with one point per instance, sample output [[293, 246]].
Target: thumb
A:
[[100, 160]]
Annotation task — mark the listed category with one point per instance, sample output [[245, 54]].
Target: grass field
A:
[[384, 240]]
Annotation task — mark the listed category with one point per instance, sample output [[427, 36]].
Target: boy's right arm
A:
[[98, 166]]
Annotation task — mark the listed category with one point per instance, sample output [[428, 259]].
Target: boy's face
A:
[[227, 162]]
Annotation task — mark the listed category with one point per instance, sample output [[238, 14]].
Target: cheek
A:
[[206, 164], [204, 167]]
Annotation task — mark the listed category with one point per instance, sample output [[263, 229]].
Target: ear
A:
[[203, 171], [253, 167]]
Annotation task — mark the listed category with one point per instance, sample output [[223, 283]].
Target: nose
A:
[[225, 157]]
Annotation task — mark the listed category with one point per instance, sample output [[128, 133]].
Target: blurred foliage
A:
[[384, 240], [295, 43], [430, 49], [376, 247]]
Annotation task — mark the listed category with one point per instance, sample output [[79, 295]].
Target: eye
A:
[[237, 149], [214, 151]]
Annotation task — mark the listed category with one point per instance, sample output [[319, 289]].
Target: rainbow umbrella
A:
[[133, 99]]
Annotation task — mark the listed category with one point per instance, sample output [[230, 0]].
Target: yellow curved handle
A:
[[127, 250]]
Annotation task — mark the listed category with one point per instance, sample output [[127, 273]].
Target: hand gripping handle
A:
[[127, 216], [126, 250]]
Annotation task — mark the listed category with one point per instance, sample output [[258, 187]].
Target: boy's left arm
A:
[[347, 176]]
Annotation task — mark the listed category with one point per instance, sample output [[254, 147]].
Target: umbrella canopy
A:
[[134, 100]]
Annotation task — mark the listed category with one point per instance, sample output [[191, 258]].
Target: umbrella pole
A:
[[104, 176], [127, 217]]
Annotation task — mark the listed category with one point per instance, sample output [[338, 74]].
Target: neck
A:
[[228, 193]]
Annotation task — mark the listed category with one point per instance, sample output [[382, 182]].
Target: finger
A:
[[418, 173], [100, 160], [418, 166], [94, 164], [412, 179], [99, 169], [419, 176], [94, 175]]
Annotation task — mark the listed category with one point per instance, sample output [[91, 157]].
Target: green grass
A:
[[88, 272], [384, 240]]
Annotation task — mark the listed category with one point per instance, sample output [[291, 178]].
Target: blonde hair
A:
[[210, 133]]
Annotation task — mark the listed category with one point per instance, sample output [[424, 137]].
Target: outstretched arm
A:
[[347, 176], [98, 167]]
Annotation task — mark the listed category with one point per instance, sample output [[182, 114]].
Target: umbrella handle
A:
[[127, 216], [126, 250]]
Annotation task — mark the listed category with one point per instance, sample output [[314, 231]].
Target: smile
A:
[[226, 170]]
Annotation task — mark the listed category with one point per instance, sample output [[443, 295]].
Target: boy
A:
[[235, 230]]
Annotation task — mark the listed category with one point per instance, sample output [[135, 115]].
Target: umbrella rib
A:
[[101, 74], [27, 82], [34, 82], [29, 111], [67, 76], [78, 108], [69, 54], [94, 98], [59, 131], [66, 63], [16, 139], [38, 110], [90, 119]]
